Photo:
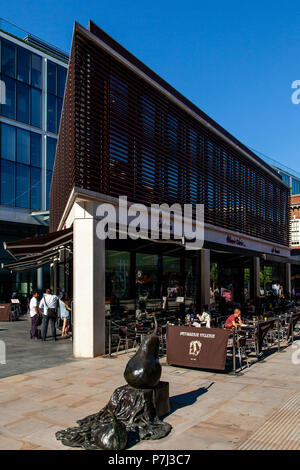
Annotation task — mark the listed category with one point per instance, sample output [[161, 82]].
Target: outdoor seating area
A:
[[257, 338]]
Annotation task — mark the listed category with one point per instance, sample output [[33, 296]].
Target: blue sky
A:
[[236, 60]]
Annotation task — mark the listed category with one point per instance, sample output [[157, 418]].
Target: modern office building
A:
[[292, 180], [126, 132], [32, 74]]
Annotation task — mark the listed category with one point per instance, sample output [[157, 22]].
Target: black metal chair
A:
[[125, 339]]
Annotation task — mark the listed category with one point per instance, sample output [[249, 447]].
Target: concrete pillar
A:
[[256, 278], [288, 280], [205, 276], [40, 279], [89, 286]]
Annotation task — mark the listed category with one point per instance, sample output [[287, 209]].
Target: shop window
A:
[[172, 277], [147, 284], [117, 268]]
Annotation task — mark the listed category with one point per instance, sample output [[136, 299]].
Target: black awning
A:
[[32, 253], [38, 245]]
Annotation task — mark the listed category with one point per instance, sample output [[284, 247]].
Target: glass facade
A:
[[56, 77], [26, 151], [292, 181], [21, 161]]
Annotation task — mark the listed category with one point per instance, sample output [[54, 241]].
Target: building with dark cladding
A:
[[126, 132]]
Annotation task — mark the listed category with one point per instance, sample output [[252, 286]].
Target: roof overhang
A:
[[32, 253]]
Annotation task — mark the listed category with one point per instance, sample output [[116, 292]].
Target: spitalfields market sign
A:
[[155, 222]]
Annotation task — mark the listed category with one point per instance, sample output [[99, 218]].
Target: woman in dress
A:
[[65, 310]]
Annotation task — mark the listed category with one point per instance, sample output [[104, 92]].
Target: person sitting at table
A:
[[234, 320], [203, 317], [192, 312]]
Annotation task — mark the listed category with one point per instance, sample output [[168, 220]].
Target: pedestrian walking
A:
[[34, 315], [49, 303]]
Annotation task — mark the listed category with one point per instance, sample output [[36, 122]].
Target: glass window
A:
[[147, 283], [8, 54], [172, 277], [36, 107], [285, 178], [51, 77], [51, 114], [48, 187], [9, 108], [35, 186], [59, 106], [36, 149], [51, 149], [61, 79], [36, 71], [117, 270], [295, 186], [22, 186], [7, 183], [23, 102], [8, 142], [23, 146], [23, 65]]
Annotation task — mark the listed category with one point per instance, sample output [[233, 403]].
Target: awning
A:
[[34, 252]]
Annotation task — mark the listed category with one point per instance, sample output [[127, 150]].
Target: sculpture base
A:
[[135, 408]]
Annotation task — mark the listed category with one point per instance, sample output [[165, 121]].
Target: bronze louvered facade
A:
[[121, 134]]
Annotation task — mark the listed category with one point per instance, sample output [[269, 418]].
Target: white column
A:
[[89, 286], [256, 277], [205, 276], [288, 281], [40, 279]]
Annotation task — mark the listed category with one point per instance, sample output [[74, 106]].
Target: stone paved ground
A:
[[25, 355], [208, 410]]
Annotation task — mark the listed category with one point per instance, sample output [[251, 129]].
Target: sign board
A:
[[203, 348]]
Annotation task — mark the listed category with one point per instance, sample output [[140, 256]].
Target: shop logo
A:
[[155, 222], [2, 352], [276, 251], [235, 241], [2, 92], [195, 348]]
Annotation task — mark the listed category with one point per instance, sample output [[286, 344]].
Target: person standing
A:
[[49, 304], [34, 315], [65, 310]]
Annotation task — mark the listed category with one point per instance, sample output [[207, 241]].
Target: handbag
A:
[[51, 312]]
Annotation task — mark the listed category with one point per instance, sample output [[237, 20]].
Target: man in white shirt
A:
[[49, 303], [34, 315]]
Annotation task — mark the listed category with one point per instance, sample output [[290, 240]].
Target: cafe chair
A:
[[163, 340], [125, 339], [242, 349]]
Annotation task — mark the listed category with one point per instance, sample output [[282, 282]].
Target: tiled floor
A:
[[208, 410]]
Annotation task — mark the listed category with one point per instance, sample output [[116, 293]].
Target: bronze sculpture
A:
[[131, 408]]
